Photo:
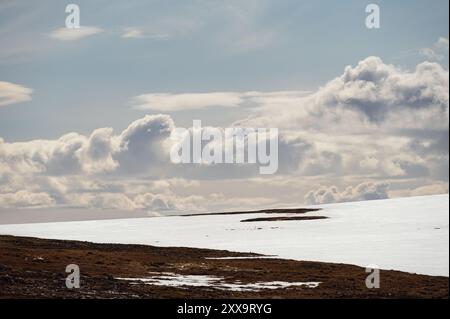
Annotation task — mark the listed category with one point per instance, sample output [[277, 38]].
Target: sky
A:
[[85, 117]]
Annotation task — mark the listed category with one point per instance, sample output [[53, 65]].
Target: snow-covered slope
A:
[[408, 234]]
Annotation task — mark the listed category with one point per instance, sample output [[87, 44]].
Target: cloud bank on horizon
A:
[[408, 111], [377, 130]]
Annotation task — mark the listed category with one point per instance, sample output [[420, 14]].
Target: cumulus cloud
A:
[[142, 142], [74, 170], [11, 93], [97, 153], [361, 192], [102, 201], [375, 122], [170, 202], [376, 89], [114, 171], [370, 95], [25, 198], [73, 34]]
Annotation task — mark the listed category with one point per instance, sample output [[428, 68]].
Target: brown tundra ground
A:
[[35, 268]]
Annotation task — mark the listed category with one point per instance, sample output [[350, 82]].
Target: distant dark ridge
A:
[[264, 211], [272, 219]]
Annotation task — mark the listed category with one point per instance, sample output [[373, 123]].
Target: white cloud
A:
[[370, 95], [69, 34], [439, 50], [171, 102], [25, 198], [11, 93], [97, 154], [139, 33], [132, 33], [102, 201], [169, 202], [143, 146], [186, 101], [138, 147], [373, 125], [361, 192], [375, 119], [433, 189]]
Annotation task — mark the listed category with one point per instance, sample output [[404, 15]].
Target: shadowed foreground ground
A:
[[35, 268]]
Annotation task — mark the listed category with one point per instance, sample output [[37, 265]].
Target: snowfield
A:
[[407, 234]]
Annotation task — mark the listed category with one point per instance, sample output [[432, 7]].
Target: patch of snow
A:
[[38, 258], [177, 280], [258, 286], [407, 234], [240, 258]]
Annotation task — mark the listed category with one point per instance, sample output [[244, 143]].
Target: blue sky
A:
[[205, 46], [85, 115]]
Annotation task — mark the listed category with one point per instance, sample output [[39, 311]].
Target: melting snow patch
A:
[[257, 286], [177, 280], [243, 258]]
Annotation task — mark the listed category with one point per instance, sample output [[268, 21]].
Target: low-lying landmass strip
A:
[[282, 218], [264, 211], [35, 268]]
